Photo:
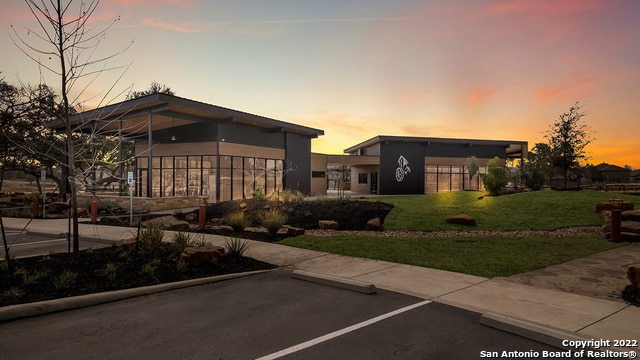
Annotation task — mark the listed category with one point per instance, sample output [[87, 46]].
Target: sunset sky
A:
[[356, 69]]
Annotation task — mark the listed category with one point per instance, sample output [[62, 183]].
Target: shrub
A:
[[237, 247], [258, 194], [29, 279], [236, 220], [151, 238], [496, 177], [181, 241], [110, 271], [272, 220], [13, 293], [65, 280]]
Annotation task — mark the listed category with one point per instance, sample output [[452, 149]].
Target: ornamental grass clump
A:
[[237, 220], [151, 238], [180, 241], [272, 220], [236, 247]]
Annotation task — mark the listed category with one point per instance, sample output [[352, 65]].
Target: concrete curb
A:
[[334, 281], [540, 333], [13, 312]]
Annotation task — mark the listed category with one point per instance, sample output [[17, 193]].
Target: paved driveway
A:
[[30, 244], [265, 316]]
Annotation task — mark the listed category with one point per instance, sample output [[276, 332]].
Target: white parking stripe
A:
[[323, 338], [39, 242]]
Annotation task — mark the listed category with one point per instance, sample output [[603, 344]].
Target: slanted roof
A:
[[609, 167], [514, 148], [171, 111]]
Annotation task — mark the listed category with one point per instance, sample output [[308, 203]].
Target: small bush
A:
[[110, 271], [272, 220], [29, 279], [236, 220], [496, 177], [65, 280], [151, 238], [13, 293], [181, 241], [181, 266], [258, 194], [237, 247]]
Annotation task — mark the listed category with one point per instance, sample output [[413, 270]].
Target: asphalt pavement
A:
[[538, 313]]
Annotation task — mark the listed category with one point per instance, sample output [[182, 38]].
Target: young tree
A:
[[472, 166], [65, 43], [567, 138], [154, 88], [537, 166], [496, 177]]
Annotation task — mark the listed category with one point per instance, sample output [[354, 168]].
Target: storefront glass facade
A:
[[197, 175]]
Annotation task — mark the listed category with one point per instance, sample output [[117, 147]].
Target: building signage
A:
[[402, 169]]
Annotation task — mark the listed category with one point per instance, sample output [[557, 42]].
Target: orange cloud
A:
[[142, 3], [478, 96], [574, 91], [547, 7], [168, 26]]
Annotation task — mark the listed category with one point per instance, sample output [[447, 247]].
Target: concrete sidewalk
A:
[[522, 309]]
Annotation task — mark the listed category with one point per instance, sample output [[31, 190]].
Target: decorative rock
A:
[[83, 212], [195, 256], [374, 224], [222, 229], [218, 222], [607, 206], [191, 217], [169, 223], [633, 273], [57, 207], [293, 231], [111, 220], [327, 224], [631, 215], [128, 243], [461, 219]]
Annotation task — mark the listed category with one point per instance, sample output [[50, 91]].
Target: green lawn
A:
[[537, 210], [482, 256]]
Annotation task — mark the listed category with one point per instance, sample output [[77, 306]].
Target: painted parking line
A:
[[40, 242], [335, 334]]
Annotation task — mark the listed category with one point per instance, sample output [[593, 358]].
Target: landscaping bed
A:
[[106, 269]]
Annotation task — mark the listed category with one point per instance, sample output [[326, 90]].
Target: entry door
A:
[[141, 182], [374, 182]]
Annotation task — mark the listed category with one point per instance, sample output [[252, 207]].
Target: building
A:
[[417, 165], [608, 173], [189, 149], [186, 148]]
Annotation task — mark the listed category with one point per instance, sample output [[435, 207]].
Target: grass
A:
[[537, 210], [487, 256], [482, 255]]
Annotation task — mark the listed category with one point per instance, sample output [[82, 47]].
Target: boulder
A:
[[169, 223], [461, 219], [222, 229], [327, 224], [111, 220], [195, 256], [57, 207], [294, 231], [633, 273], [191, 217], [607, 206], [128, 243], [631, 215], [374, 224]]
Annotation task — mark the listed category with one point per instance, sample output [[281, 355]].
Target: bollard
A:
[[202, 213], [616, 224], [35, 210], [202, 216], [94, 212]]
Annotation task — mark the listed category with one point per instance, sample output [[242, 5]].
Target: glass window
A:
[[180, 162], [362, 178], [167, 162], [194, 162], [155, 162], [180, 182], [142, 162], [194, 181], [237, 177], [167, 182], [318, 174]]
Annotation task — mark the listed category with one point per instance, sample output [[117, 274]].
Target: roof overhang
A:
[[514, 149], [131, 117]]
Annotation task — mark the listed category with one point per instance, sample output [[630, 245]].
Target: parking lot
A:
[[25, 243], [265, 316]]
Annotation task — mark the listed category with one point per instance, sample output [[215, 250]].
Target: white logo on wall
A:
[[403, 168]]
